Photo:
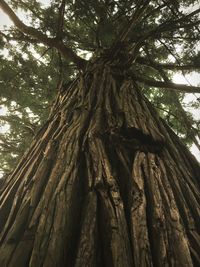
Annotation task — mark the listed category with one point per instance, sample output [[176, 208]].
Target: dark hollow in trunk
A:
[[105, 183]]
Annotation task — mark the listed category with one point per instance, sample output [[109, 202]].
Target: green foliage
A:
[[28, 83]]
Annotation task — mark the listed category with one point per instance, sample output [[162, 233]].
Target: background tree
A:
[[104, 174]]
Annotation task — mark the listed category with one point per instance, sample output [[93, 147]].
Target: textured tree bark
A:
[[105, 183]]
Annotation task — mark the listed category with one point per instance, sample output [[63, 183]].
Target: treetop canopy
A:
[[55, 40]]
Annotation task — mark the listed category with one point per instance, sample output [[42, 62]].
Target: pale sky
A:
[[4, 20]]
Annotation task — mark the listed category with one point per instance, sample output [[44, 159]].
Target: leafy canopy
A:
[[51, 41]]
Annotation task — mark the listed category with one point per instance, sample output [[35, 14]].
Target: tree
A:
[[106, 182]]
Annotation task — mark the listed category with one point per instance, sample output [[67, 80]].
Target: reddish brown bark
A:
[[105, 183]]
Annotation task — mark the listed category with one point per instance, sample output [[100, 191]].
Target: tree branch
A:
[[134, 19], [169, 85], [168, 66], [61, 19], [20, 38], [67, 52], [168, 26]]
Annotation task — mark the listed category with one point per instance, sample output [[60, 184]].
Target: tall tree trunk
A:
[[105, 183]]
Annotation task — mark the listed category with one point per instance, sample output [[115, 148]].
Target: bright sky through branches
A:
[[194, 79]]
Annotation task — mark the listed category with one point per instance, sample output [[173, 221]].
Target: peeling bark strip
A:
[[105, 183]]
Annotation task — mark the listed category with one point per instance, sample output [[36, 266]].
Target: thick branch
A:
[[20, 38], [61, 19], [180, 67], [168, 66], [179, 87], [67, 52]]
